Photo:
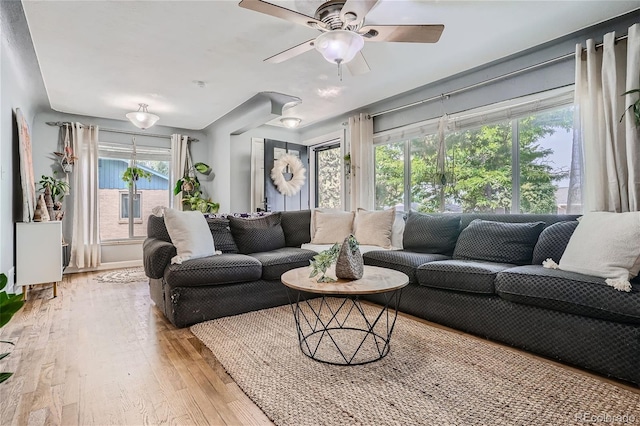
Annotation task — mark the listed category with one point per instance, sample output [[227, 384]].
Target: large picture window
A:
[[516, 165], [116, 222]]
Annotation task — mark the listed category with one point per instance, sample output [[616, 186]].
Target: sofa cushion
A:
[[296, 226], [569, 292], [374, 228], [214, 270], [190, 234], [257, 235], [498, 241], [222, 237], [401, 260], [605, 245], [157, 229], [461, 275], [552, 241], [277, 262], [331, 227], [426, 233]]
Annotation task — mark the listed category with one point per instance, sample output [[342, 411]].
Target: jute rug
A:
[[430, 377], [129, 275]]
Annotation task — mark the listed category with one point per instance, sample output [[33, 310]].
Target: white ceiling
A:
[[102, 58]]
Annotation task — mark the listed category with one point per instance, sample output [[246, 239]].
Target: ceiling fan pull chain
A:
[[340, 70]]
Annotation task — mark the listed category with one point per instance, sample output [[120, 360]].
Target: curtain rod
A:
[[489, 81], [126, 132]]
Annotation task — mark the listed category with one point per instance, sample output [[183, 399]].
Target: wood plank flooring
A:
[[102, 354]]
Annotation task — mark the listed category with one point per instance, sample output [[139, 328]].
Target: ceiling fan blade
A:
[[281, 12], [358, 65], [402, 33], [290, 53], [359, 8]]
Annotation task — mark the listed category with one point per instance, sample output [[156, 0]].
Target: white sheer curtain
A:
[[179, 150], [85, 243], [361, 151], [611, 146]]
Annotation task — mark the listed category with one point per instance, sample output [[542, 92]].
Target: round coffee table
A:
[[333, 325]]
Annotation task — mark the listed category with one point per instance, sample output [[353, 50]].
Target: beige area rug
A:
[[129, 275], [430, 377]]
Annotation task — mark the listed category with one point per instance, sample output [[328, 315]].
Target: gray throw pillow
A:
[[297, 227], [425, 233], [552, 241], [257, 235], [222, 236], [498, 241]]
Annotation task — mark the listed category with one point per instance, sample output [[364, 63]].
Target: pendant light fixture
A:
[[142, 118]]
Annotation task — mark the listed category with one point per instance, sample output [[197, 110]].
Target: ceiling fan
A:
[[343, 31]]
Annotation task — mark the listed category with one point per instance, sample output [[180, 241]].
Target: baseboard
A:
[[106, 266]]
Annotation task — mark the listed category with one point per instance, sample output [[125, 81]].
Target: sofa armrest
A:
[[156, 256]]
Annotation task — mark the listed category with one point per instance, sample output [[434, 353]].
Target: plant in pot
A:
[[192, 197], [196, 202], [133, 173], [54, 192], [9, 304]]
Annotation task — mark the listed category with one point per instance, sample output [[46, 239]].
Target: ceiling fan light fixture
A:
[[290, 122], [142, 118], [339, 46]]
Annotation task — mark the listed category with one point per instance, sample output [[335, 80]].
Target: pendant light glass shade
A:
[[142, 118], [339, 46]]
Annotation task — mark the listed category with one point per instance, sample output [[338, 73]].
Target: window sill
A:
[[124, 241]]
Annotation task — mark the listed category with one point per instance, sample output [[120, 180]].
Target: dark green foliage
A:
[[9, 304]]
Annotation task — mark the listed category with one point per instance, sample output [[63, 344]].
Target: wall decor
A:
[[288, 174], [26, 168]]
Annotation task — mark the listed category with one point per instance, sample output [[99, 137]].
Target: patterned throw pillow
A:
[[498, 241], [222, 236], [553, 241], [257, 235], [425, 233]]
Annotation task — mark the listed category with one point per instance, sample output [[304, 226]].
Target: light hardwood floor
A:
[[103, 354]]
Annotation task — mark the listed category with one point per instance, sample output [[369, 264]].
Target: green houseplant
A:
[[133, 173], [57, 187], [635, 107], [9, 304], [192, 197]]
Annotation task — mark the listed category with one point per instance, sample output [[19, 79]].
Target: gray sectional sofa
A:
[[481, 274]]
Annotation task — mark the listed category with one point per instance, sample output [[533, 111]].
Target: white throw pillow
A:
[[332, 227], [313, 218], [190, 234], [397, 232], [605, 245], [374, 228]]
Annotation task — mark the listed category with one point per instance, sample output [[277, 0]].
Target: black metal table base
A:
[[341, 333]]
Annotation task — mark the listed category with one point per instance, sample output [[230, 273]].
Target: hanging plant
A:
[[132, 174]]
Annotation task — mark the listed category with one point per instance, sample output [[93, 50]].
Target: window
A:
[[329, 169], [124, 206], [114, 194], [518, 165]]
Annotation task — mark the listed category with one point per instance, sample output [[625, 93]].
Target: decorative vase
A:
[[48, 200], [41, 214], [350, 265]]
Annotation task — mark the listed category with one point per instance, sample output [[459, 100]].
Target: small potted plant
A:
[[54, 192]]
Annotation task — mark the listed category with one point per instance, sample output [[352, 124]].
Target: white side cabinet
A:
[[38, 254]]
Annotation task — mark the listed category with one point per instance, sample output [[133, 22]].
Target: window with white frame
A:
[[514, 159], [117, 198]]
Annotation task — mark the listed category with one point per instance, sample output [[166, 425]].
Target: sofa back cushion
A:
[[218, 226], [296, 226], [553, 241], [258, 235], [498, 241], [425, 233], [222, 236]]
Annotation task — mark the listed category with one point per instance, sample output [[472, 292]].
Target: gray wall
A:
[[544, 78], [21, 86]]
